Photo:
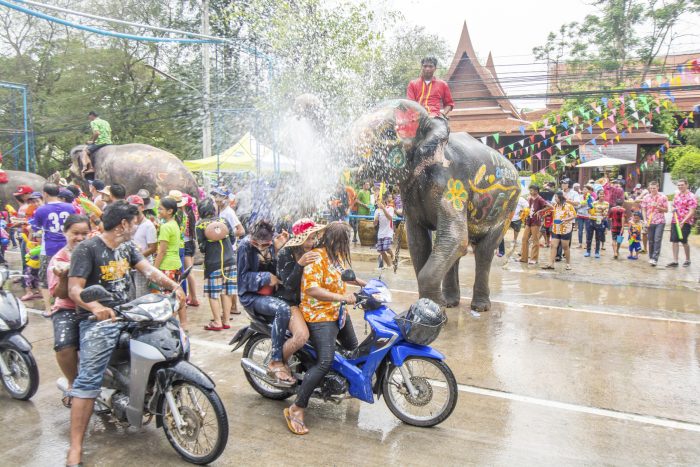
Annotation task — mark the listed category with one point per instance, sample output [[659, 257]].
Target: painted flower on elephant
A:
[[456, 194]]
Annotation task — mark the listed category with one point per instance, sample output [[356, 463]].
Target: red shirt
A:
[[433, 96], [536, 204], [617, 215]]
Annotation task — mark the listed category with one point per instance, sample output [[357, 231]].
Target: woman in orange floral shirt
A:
[[563, 217], [322, 291]]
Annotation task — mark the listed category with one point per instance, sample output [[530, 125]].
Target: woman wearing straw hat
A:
[[291, 261]]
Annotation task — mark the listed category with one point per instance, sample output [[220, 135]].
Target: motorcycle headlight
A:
[[383, 295], [158, 311], [3, 325]]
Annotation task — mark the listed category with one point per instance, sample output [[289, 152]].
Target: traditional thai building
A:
[[483, 110]]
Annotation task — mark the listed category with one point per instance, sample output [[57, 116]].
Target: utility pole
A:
[[206, 64]]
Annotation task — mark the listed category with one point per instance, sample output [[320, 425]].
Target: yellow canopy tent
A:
[[241, 157]]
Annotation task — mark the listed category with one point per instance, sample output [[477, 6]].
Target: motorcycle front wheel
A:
[[23, 380], [203, 437], [436, 392]]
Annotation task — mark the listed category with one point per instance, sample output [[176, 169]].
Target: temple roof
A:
[[474, 85]]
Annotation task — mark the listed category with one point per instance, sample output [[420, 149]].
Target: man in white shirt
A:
[[223, 202], [146, 240], [384, 220]]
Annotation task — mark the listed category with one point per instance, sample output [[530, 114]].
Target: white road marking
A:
[[647, 419], [632, 417]]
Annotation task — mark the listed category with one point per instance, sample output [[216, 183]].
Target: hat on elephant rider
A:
[[302, 229], [176, 195]]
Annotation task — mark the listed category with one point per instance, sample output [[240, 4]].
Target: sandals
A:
[[226, 326], [190, 302], [274, 373], [548, 266], [213, 327], [288, 417], [67, 400]]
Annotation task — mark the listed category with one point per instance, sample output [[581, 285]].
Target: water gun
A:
[[382, 189], [10, 210], [90, 207], [33, 251], [679, 232]]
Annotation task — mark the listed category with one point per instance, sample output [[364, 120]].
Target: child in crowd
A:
[[634, 235], [4, 240], [384, 221], [617, 220], [546, 229], [31, 270]]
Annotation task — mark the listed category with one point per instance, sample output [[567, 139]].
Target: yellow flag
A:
[[604, 136], [600, 124], [529, 159]]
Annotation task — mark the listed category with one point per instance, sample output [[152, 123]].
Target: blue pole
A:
[[26, 130]]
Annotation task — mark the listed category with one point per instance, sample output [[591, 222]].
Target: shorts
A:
[[66, 328], [96, 346], [142, 286], [173, 274], [685, 230], [216, 284], [384, 244], [635, 246], [44, 261], [615, 232], [546, 229], [189, 248], [516, 225], [563, 237]]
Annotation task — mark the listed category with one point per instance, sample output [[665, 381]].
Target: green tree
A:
[[688, 167], [673, 155], [692, 136]]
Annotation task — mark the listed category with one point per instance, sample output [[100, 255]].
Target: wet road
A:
[[599, 365]]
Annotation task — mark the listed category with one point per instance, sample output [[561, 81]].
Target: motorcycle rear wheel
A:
[[257, 349], [23, 383], [437, 392], [203, 410]]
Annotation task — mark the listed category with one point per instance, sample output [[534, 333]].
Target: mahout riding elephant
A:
[[16, 178], [454, 186], [136, 166]]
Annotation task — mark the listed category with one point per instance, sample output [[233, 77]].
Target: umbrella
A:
[[604, 162]]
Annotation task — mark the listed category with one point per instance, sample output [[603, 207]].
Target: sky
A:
[[509, 29]]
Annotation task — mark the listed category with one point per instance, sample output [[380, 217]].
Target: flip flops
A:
[[288, 417], [212, 327]]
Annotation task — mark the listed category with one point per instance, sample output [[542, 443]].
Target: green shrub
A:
[[540, 179], [673, 155], [688, 167]]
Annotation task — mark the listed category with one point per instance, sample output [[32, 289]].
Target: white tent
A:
[[604, 162]]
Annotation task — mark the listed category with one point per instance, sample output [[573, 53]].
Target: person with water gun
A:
[[634, 235], [31, 269], [684, 205], [654, 208]]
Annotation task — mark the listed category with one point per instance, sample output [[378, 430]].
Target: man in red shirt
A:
[[538, 205], [434, 95], [617, 218], [430, 92]]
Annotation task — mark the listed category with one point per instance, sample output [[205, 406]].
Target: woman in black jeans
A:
[[322, 291], [257, 266]]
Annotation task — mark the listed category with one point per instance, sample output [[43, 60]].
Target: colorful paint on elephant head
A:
[[407, 123]]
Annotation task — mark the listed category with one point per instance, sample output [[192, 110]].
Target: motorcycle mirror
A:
[[348, 276], [94, 293]]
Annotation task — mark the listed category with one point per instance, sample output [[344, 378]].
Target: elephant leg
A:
[[450, 245], [483, 255], [420, 244], [450, 285]]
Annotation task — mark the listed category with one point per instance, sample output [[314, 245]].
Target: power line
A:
[[119, 21], [101, 31]]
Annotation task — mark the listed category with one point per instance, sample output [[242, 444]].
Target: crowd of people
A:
[[636, 221]]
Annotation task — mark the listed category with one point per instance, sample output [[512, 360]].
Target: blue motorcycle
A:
[[394, 360]]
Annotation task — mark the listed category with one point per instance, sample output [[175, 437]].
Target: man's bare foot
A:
[[74, 456]]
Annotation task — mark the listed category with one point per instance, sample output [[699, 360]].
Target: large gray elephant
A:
[[137, 166], [16, 178], [461, 189]]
